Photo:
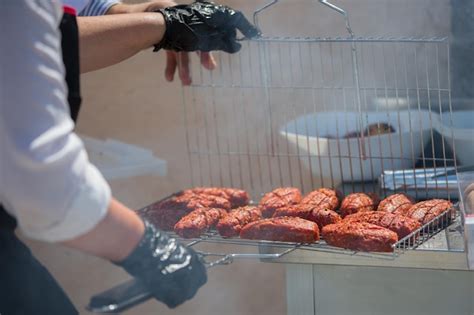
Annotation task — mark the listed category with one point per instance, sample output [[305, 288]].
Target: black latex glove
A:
[[172, 272], [204, 26]]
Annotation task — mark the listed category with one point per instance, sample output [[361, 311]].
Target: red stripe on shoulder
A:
[[69, 10]]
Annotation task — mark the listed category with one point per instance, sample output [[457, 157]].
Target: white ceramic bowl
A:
[[310, 135], [460, 133]]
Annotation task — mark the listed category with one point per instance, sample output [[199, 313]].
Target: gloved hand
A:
[[204, 26], [172, 272]]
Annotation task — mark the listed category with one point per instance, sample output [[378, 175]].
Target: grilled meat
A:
[[425, 211], [358, 202], [231, 224], [394, 222], [323, 197], [397, 203], [360, 236], [314, 213], [168, 212], [236, 197], [283, 229], [198, 221], [278, 198]]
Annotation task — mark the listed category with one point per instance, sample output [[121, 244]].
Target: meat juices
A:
[[394, 222], [236, 197], [358, 202], [168, 212], [360, 236], [425, 211], [316, 214], [283, 229], [198, 221], [278, 198], [397, 203], [323, 197], [232, 223]]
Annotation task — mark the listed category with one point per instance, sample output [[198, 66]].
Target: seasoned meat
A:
[[358, 202], [425, 211], [371, 130], [323, 217], [314, 213], [360, 236], [394, 222], [168, 212], [198, 221], [283, 229], [278, 198], [397, 203], [236, 197], [324, 198], [208, 201], [231, 224]]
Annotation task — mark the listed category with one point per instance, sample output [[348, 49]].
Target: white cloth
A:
[[97, 7], [91, 7], [46, 179]]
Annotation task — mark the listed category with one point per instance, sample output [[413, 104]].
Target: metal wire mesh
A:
[[277, 113]]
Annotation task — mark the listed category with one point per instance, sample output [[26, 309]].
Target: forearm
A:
[[121, 8], [108, 40], [114, 237]]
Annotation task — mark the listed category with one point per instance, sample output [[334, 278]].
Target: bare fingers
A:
[[207, 60]]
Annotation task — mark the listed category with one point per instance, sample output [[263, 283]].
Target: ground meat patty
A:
[[168, 212], [358, 202], [278, 198], [198, 221], [316, 214], [425, 211], [236, 197], [397, 203], [394, 222], [360, 236], [324, 198], [283, 229], [231, 224]]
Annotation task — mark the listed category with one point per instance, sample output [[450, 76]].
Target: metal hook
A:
[[341, 11]]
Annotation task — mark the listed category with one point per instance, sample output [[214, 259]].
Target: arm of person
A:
[[175, 61], [46, 179], [107, 40], [120, 231], [148, 6]]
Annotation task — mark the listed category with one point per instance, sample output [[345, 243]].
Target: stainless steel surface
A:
[[364, 290]]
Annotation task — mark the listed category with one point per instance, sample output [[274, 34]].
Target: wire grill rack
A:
[[212, 258], [276, 113]]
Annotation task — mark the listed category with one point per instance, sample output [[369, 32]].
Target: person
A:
[[175, 61], [48, 186]]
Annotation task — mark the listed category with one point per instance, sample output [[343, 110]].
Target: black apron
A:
[[26, 287]]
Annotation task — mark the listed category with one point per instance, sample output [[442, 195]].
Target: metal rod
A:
[[420, 119], [441, 114]]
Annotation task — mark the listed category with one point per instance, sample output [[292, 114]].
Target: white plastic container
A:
[[314, 135], [460, 132], [117, 159]]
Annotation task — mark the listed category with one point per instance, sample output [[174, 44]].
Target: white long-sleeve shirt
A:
[[46, 179]]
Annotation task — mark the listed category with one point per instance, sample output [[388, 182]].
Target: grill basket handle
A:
[[339, 10]]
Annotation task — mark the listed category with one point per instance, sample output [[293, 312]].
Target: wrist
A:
[[158, 25]]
